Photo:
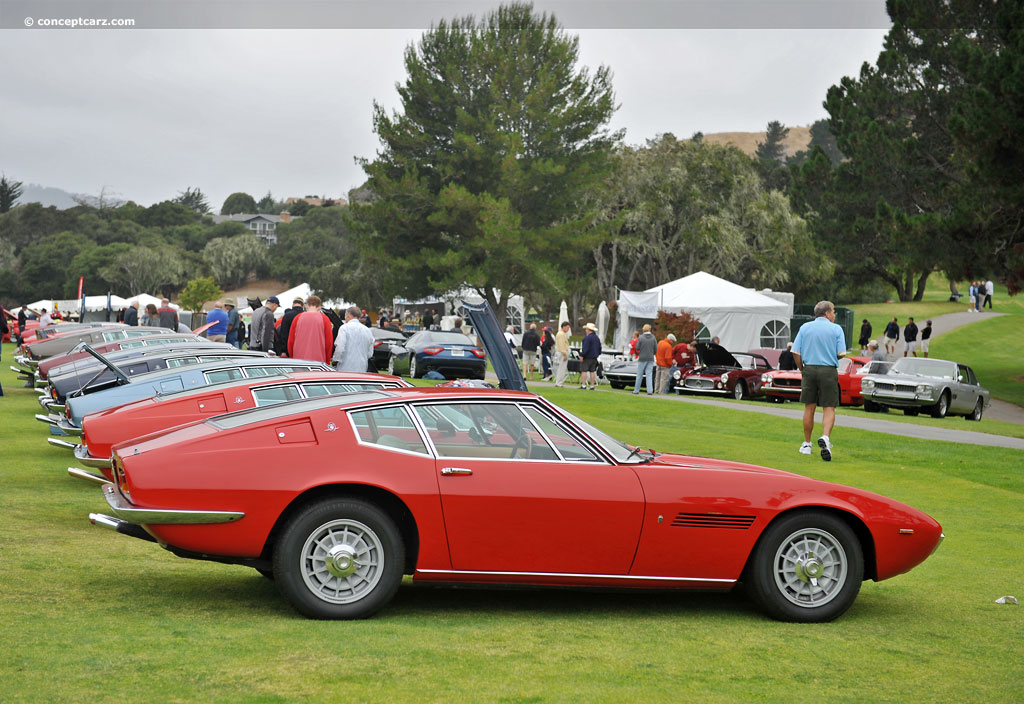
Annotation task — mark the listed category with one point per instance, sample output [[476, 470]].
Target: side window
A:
[[388, 427], [567, 445], [133, 345], [844, 365], [275, 394], [315, 390], [495, 431], [141, 332], [181, 362], [111, 336], [223, 375], [259, 371], [971, 376]]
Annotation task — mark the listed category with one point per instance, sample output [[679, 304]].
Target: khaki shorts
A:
[[217, 338], [820, 386]]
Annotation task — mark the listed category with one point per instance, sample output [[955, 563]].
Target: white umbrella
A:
[[563, 314], [602, 320]]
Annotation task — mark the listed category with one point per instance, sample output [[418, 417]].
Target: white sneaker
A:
[[826, 448], [805, 448]]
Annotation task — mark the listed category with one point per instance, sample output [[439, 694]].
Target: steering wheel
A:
[[523, 448]]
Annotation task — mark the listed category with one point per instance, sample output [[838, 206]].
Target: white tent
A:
[[74, 305], [145, 299], [285, 299], [741, 317]]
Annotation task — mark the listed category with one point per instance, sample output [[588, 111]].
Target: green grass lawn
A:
[[88, 615]]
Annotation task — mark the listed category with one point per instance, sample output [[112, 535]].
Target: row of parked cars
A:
[[335, 485], [912, 384]]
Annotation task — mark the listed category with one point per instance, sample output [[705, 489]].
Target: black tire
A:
[[391, 365], [911, 411], [616, 384], [777, 399], [979, 409], [367, 564], [414, 370], [940, 409], [779, 581], [871, 406], [738, 390]]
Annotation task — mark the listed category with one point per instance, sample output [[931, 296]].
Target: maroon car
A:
[[736, 374]]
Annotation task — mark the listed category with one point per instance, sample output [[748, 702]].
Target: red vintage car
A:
[[102, 430], [722, 373], [780, 386], [337, 497]]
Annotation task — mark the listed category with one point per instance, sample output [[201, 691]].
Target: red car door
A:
[[511, 504]]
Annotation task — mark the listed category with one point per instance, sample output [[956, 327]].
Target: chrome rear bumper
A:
[[127, 512]]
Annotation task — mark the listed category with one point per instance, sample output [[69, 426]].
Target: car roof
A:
[[363, 398]]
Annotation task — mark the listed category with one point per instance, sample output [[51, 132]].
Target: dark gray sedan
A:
[[936, 386]]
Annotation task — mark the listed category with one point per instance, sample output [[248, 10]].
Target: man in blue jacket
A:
[[817, 348], [219, 318], [589, 353]]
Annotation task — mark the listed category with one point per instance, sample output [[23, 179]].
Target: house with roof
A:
[[263, 225]]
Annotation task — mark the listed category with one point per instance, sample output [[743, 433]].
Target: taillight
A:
[[376, 343], [478, 352], [53, 393], [121, 478], [433, 350]]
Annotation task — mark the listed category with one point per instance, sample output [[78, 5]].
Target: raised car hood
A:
[[498, 351], [712, 355]]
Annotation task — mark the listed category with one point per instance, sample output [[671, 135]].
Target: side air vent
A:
[[712, 520]]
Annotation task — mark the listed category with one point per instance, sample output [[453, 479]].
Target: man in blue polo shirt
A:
[[818, 346]]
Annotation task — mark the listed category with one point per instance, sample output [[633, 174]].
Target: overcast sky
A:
[[147, 113]]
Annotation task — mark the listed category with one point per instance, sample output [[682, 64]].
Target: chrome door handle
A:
[[455, 471]]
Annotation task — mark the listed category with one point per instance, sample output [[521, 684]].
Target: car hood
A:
[[689, 462], [712, 355], [498, 350]]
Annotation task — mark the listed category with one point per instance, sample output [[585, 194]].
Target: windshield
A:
[[934, 368], [622, 452]]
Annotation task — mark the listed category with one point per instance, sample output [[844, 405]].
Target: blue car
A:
[[168, 380], [451, 353]]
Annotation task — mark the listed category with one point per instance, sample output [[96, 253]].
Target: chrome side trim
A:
[[576, 575], [57, 442], [142, 516], [87, 476], [83, 456], [46, 419]]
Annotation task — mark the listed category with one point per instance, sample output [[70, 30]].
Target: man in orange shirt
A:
[[310, 336], [663, 357]]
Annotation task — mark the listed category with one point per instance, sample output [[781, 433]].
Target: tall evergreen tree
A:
[[479, 178], [10, 191], [194, 199]]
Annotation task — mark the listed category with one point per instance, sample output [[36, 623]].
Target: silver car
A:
[[936, 386]]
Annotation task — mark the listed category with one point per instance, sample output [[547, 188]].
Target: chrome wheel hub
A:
[[341, 561], [810, 567]]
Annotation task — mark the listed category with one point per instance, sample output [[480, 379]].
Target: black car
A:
[[383, 340]]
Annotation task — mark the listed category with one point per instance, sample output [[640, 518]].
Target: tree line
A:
[[499, 171]]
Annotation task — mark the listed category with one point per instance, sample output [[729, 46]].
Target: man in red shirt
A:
[[310, 334], [663, 358]]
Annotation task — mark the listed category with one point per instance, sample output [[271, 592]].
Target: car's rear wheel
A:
[[807, 567], [737, 390], [940, 409], [391, 365], [339, 559], [979, 408], [413, 367]]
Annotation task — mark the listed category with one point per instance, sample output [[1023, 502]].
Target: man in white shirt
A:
[[990, 288], [45, 319], [353, 346]]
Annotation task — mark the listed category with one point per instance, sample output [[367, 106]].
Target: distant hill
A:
[[47, 196], [797, 140]]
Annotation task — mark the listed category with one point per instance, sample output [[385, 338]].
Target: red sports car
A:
[[736, 374], [102, 430], [780, 386], [338, 497]]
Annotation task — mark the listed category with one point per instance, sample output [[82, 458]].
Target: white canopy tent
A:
[[145, 299], [285, 299], [744, 319]]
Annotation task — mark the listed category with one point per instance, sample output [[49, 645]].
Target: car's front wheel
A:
[[807, 567], [737, 390], [339, 559], [940, 409], [412, 367], [871, 406], [391, 365]]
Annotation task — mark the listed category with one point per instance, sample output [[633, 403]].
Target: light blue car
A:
[[166, 381]]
